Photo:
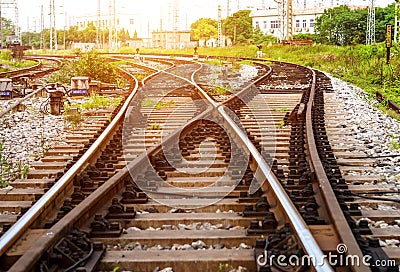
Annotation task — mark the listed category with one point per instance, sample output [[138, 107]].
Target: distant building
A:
[[213, 42], [139, 43], [127, 21], [172, 39], [269, 21]]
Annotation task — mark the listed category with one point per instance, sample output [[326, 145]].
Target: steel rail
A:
[[304, 234], [8, 239], [20, 100], [340, 223], [33, 254], [16, 231], [19, 71], [88, 207]]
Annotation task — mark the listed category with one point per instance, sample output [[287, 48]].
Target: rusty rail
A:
[[45, 202], [340, 223]]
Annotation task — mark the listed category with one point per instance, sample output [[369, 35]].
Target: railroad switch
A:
[[74, 252], [56, 101], [6, 88], [280, 243]]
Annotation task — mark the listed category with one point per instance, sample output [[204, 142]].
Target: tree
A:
[[383, 16], [240, 23], [343, 26], [7, 29], [204, 28], [259, 37], [123, 35], [31, 38], [89, 34]]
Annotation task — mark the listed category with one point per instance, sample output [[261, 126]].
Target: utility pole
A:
[[17, 28], [219, 26], [370, 37], [282, 13], [289, 20], [12, 4], [65, 27], [112, 31], [28, 29], [54, 26], [51, 24], [396, 21], [175, 24], [1, 29], [98, 24], [41, 27], [115, 37], [110, 25]]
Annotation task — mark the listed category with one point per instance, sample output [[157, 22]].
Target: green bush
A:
[[90, 64]]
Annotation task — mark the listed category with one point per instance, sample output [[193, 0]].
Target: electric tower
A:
[[10, 4], [370, 39], [219, 26]]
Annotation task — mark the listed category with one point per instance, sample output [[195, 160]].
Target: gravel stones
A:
[[375, 132], [196, 245], [193, 226], [28, 134]]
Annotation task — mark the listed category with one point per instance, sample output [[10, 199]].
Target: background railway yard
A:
[[196, 165]]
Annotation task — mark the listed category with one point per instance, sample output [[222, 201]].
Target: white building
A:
[[270, 21]]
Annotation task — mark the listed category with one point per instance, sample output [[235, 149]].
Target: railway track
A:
[[45, 65], [218, 193], [20, 90]]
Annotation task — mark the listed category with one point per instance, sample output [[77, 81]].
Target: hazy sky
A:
[[151, 10]]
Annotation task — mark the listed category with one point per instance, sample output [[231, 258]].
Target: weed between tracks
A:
[[281, 110], [395, 144], [149, 102], [73, 112], [10, 171], [155, 126]]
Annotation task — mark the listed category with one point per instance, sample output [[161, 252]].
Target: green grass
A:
[[10, 171], [161, 104], [220, 90], [148, 102], [394, 144], [282, 124], [96, 102], [155, 126], [281, 110]]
